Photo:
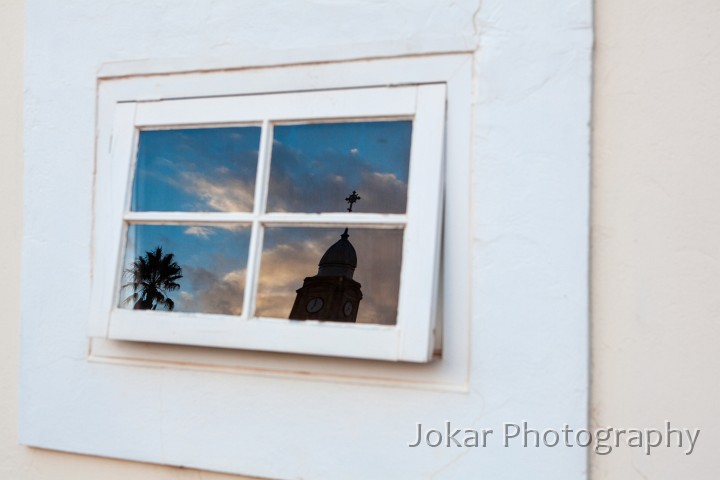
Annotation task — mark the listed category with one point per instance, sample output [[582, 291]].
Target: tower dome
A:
[[339, 260]]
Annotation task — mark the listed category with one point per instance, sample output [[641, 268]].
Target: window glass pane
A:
[[307, 273], [200, 169], [315, 166], [185, 268]]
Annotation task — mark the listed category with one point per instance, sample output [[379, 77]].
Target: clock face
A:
[[314, 305], [348, 308]]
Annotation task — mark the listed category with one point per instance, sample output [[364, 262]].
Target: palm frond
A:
[[151, 276]]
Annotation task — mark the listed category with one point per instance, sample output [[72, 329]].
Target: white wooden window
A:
[[409, 337]]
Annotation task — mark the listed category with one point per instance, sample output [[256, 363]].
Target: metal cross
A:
[[354, 197]]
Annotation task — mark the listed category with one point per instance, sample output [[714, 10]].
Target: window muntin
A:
[[313, 166], [409, 339]]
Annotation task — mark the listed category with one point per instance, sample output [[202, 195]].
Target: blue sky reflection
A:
[[195, 170], [213, 261], [315, 166]]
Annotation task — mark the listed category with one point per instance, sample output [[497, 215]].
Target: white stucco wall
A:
[[655, 241], [656, 230], [529, 355]]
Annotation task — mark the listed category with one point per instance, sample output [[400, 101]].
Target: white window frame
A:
[[415, 87]]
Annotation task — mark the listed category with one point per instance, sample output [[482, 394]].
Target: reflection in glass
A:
[[195, 170], [301, 271], [152, 277], [185, 268], [313, 165]]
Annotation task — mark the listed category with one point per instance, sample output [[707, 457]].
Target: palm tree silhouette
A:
[[151, 277]]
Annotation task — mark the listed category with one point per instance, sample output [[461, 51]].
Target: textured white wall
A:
[[530, 179], [656, 222], [655, 240]]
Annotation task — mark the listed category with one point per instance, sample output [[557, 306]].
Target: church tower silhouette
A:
[[332, 294]]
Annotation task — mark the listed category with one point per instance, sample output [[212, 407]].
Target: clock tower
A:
[[332, 294]]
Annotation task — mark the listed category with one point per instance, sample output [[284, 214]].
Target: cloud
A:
[[198, 169], [294, 187], [203, 232], [282, 271], [221, 194], [213, 293]]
